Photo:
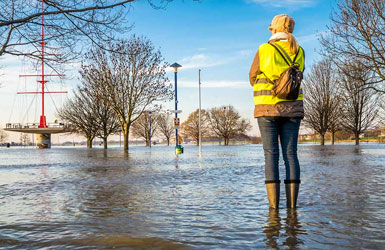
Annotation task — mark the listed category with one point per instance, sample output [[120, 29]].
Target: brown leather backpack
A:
[[287, 86]]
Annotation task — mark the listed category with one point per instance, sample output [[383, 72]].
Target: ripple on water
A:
[[149, 199]]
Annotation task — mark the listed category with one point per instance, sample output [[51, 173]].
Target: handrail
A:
[[34, 125]]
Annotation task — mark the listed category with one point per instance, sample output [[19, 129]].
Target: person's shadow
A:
[[283, 232]]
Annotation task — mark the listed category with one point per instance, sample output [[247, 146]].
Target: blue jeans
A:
[[287, 130]]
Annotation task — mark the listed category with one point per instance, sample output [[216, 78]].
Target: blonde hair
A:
[[285, 23], [294, 46]]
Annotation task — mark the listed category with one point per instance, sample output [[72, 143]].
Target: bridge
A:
[[43, 135]]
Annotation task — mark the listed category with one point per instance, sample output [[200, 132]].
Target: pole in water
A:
[[149, 132], [178, 148], [200, 114]]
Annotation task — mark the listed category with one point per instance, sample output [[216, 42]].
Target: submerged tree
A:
[[336, 121], [360, 104], [3, 136], [226, 123], [131, 76], [79, 112], [108, 124], [145, 126], [190, 128], [99, 108], [166, 126], [321, 103], [25, 139]]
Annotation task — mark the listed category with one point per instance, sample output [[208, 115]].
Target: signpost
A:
[[178, 148], [176, 122], [200, 115]]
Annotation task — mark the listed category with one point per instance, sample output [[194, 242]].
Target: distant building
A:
[[307, 137]]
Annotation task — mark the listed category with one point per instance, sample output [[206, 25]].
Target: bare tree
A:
[[321, 103], [357, 31], [3, 136], [145, 126], [107, 122], [89, 115], [99, 107], [335, 121], [190, 128], [382, 110], [70, 24], [360, 104], [166, 126], [79, 112], [227, 123], [132, 78]]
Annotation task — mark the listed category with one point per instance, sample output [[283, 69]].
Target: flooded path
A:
[[77, 198]]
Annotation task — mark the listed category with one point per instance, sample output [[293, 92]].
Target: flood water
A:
[[75, 198]]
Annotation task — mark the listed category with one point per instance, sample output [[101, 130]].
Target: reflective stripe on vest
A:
[[271, 100], [268, 92], [263, 80]]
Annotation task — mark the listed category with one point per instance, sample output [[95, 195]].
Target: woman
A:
[[278, 117]]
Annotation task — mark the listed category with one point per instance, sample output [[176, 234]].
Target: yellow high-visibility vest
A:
[[272, 65]]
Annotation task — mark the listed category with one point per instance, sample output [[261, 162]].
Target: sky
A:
[[220, 37]]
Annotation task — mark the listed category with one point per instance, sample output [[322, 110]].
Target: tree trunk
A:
[[168, 141], [125, 140], [147, 143], [105, 142], [357, 137], [89, 142], [323, 140], [333, 134]]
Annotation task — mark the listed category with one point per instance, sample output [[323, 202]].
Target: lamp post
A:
[[176, 66], [149, 132], [200, 115]]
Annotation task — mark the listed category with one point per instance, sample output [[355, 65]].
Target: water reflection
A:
[[292, 229], [84, 199], [44, 199], [273, 228]]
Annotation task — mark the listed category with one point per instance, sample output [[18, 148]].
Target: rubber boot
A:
[[292, 188], [272, 188]]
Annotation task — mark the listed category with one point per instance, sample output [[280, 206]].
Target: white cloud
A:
[[247, 52], [284, 3], [311, 38], [204, 60], [201, 61]]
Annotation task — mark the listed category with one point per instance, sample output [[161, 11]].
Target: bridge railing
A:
[[34, 125]]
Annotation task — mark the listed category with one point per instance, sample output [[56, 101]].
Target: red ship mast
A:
[[43, 81]]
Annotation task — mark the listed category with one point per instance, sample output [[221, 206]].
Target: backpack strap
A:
[[295, 58], [285, 56]]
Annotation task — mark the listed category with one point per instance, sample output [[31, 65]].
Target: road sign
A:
[[176, 122]]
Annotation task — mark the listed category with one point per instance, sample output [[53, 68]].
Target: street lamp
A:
[[200, 115], [149, 132], [176, 66]]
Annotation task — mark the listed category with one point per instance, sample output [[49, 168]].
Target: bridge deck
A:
[[34, 129]]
